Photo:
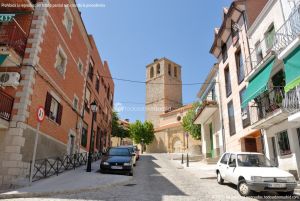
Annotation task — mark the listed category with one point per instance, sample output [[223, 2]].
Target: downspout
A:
[[221, 110]]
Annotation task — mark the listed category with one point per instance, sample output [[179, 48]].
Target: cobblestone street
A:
[[158, 178]]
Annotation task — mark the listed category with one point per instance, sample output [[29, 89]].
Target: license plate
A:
[[116, 167], [273, 185]]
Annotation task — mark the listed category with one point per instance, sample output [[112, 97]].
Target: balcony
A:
[[288, 32], [206, 110], [292, 104], [268, 109], [6, 105], [13, 41]]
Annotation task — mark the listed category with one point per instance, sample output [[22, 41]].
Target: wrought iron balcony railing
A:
[[288, 32], [267, 103], [6, 105], [14, 37], [292, 100]]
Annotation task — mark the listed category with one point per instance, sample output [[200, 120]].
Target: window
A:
[[97, 86], [53, 109], [227, 81], [158, 69], [283, 142], [80, 66], [98, 139], [224, 52], [61, 61], [239, 66], [169, 70], [91, 70], [75, 103], [225, 158], [245, 111], [270, 36], [234, 32], [175, 71], [68, 21], [232, 160], [258, 52], [151, 72], [231, 118], [84, 135], [87, 100]]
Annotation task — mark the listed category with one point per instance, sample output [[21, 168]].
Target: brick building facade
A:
[[48, 59]]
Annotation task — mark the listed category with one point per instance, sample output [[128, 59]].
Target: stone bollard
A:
[[187, 160], [182, 159]]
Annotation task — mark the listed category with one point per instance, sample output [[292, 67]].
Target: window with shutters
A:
[[91, 70], [87, 100], [53, 109], [80, 66], [61, 61], [75, 103], [97, 86], [68, 21]]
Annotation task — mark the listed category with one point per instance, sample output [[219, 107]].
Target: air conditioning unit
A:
[[10, 79]]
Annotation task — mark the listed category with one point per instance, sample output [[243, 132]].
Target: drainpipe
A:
[[221, 110]]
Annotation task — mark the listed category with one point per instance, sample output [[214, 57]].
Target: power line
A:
[[144, 82]]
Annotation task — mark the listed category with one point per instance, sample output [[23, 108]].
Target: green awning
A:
[[2, 58], [6, 17], [257, 84], [292, 70]]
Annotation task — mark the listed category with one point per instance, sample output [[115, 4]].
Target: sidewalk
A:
[[199, 169], [71, 181]]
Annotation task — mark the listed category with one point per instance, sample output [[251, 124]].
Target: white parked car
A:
[[253, 172]]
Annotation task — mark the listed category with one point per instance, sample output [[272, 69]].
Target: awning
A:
[[257, 84], [292, 70], [2, 58], [6, 17]]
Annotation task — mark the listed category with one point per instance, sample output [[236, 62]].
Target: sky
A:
[[131, 33]]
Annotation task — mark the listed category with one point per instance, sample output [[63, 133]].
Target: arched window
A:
[[169, 70], [158, 69], [175, 71], [151, 72]]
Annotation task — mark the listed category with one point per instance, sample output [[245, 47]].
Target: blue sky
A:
[[131, 33]]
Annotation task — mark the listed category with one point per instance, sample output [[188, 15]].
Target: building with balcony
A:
[[231, 49], [45, 58], [271, 73], [210, 118]]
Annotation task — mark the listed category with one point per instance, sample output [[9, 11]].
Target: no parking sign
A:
[[40, 114]]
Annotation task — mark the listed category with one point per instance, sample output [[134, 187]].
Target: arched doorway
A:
[[176, 145]]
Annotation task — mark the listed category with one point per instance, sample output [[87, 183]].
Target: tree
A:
[[188, 122], [139, 131], [117, 129]]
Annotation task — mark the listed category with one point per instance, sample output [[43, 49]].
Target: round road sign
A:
[[40, 114]]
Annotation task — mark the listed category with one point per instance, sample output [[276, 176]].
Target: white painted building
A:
[[272, 42]]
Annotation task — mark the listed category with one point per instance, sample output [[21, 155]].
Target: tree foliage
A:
[[139, 131], [188, 122], [117, 129]]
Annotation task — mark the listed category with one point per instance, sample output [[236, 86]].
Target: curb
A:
[[40, 194]]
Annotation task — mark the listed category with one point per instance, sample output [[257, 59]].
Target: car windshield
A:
[[119, 152], [253, 160]]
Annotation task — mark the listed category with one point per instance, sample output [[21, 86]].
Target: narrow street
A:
[[158, 178]]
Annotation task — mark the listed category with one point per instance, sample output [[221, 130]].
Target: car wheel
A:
[[220, 180], [286, 193], [243, 188]]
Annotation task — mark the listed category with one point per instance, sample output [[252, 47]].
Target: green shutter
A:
[[257, 84], [2, 58], [292, 70]]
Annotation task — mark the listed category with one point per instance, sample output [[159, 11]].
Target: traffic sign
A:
[[40, 114]]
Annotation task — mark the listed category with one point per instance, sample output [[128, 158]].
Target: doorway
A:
[[71, 144], [274, 150], [250, 145]]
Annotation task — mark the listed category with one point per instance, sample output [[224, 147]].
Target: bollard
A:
[[182, 159], [187, 160]]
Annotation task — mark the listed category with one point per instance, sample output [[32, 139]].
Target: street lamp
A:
[[142, 145], [94, 109]]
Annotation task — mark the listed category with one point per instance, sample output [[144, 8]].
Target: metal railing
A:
[[291, 102], [13, 36], [266, 104], [288, 32], [44, 168], [6, 105]]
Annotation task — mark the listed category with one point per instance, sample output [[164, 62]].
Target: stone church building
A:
[[164, 108]]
